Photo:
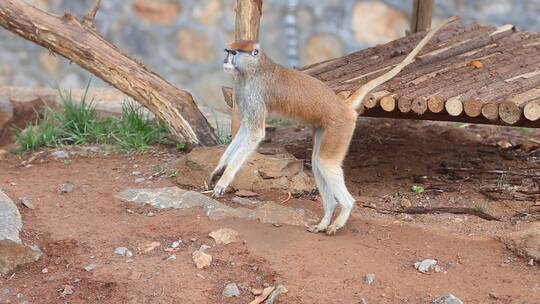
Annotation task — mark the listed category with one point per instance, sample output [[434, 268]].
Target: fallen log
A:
[[81, 44], [436, 210]]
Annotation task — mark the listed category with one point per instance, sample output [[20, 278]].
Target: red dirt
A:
[[387, 157]]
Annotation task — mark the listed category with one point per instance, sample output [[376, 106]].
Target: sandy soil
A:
[[387, 157]]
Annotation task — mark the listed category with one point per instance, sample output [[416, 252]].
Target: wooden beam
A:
[[81, 44], [421, 16], [247, 24]]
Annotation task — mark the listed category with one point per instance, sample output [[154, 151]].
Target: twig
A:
[[289, 196], [480, 171], [89, 19], [453, 210], [33, 158]]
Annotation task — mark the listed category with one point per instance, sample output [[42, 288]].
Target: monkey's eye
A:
[[255, 52]]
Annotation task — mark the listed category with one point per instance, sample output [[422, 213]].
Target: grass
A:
[[80, 124], [481, 207]]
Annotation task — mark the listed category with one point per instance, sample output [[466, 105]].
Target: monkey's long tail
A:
[[357, 97]]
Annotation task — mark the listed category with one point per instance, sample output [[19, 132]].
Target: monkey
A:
[[262, 86]]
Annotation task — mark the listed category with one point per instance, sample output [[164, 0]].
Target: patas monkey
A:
[[262, 86]]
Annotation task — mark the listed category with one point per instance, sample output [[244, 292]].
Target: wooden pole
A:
[[421, 16], [81, 44], [247, 24]]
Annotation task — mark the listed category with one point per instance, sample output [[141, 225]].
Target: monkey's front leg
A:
[[247, 145], [226, 157]]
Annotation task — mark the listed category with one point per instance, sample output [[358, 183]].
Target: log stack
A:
[[478, 74]]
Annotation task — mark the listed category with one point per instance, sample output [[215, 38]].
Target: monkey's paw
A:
[[218, 191], [316, 228], [332, 229]]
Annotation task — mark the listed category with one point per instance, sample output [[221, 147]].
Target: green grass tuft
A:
[[79, 123]]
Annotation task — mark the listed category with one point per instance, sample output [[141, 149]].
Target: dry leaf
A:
[[476, 64]]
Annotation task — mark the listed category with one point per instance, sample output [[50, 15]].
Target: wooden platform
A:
[[478, 74]]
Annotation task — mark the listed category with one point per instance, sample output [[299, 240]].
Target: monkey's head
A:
[[243, 56]]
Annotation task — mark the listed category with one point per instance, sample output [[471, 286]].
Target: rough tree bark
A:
[[81, 44]]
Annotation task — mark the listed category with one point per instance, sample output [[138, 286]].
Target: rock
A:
[[525, 242], [426, 265], [10, 219], [174, 197], [3, 154], [65, 188], [262, 172], [225, 236], [194, 46], [320, 47], [151, 246], [26, 202], [157, 11], [204, 247], [405, 203], [90, 267], [4, 292], [14, 254], [176, 244], [60, 154], [171, 257], [231, 290], [369, 278], [447, 299], [246, 193], [136, 173], [66, 290], [201, 259], [139, 180], [123, 251], [384, 22], [280, 289], [363, 301], [45, 270], [246, 201]]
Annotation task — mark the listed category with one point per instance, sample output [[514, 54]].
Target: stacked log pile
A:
[[479, 74]]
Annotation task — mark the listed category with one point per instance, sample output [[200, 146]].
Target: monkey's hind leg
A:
[[334, 145], [327, 196]]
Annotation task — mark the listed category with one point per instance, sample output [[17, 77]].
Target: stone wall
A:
[[183, 40]]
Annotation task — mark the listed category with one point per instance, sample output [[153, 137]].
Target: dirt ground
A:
[[386, 159]]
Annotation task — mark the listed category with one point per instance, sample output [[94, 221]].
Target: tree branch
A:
[[89, 19]]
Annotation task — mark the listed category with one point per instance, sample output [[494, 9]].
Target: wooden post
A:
[[421, 15], [248, 16]]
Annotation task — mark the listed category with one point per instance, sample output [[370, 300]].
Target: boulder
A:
[[280, 171], [525, 242]]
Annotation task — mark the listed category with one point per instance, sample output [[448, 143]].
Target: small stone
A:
[[66, 290], [139, 180], [123, 251], [171, 257], [151, 246], [60, 154], [3, 153], [531, 262], [27, 202], [280, 289], [438, 269], [231, 290], [45, 270], [363, 301], [201, 259], [136, 173], [246, 193], [447, 299], [405, 203], [426, 265], [369, 278], [176, 244], [150, 214], [90, 267], [4, 291], [65, 188], [225, 236], [204, 247], [493, 295]]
